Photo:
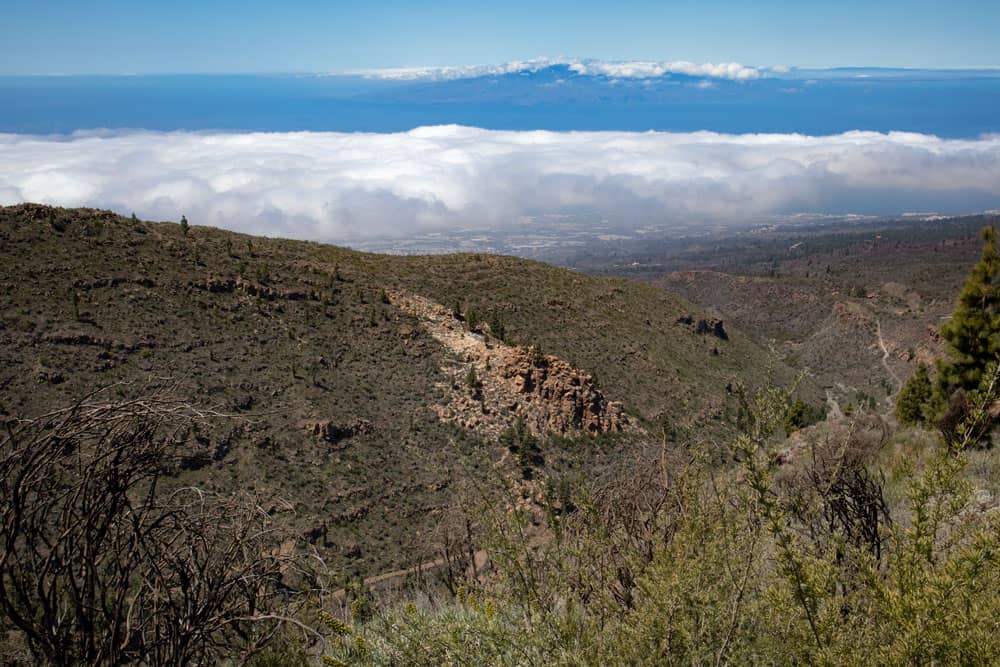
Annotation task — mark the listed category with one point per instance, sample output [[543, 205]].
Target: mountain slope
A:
[[329, 392], [858, 305]]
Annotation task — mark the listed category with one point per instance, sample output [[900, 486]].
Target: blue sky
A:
[[183, 36]]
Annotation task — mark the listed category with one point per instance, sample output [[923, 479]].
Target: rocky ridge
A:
[[494, 383]]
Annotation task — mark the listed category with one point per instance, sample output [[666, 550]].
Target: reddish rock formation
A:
[[553, 396], [511, 382]]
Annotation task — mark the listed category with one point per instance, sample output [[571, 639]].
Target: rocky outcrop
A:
[[494, 383], [702, 327], [251, 288], [112, 281], [713, 327], [553, 396], [75, 337], [335, 433]]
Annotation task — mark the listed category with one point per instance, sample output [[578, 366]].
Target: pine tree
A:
[[522, 443], [184, 225], [912, 404], [471, 381], [497, 327], [973, 332]]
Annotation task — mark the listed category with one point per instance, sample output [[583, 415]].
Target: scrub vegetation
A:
[[864, 546], [221, 449]]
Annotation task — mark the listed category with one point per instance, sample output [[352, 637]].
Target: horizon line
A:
[[538, 62]]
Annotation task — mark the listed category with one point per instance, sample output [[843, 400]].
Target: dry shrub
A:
[[832, 491], [101, 562]]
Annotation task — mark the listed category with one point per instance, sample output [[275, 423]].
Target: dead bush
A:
[[101, 562]]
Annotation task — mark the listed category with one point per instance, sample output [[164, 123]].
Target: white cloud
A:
[[648, 70], [623, 70], [334, 186], [459, 72]]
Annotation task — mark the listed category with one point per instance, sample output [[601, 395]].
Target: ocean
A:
[[948, 104]]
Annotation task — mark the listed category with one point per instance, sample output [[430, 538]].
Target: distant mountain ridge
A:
[[635, 69]]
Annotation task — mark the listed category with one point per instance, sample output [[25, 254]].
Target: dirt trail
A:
[[885, 356], [480, 560], [835, 411]]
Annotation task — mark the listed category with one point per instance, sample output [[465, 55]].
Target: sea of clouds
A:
[[338, 186]]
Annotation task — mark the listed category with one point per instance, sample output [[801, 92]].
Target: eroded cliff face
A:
[[494, 384], [552, 395]]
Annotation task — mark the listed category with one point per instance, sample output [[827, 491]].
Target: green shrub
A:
[[801, 415], [497, 326], [520, 441], [913, 402], [687, 564]]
